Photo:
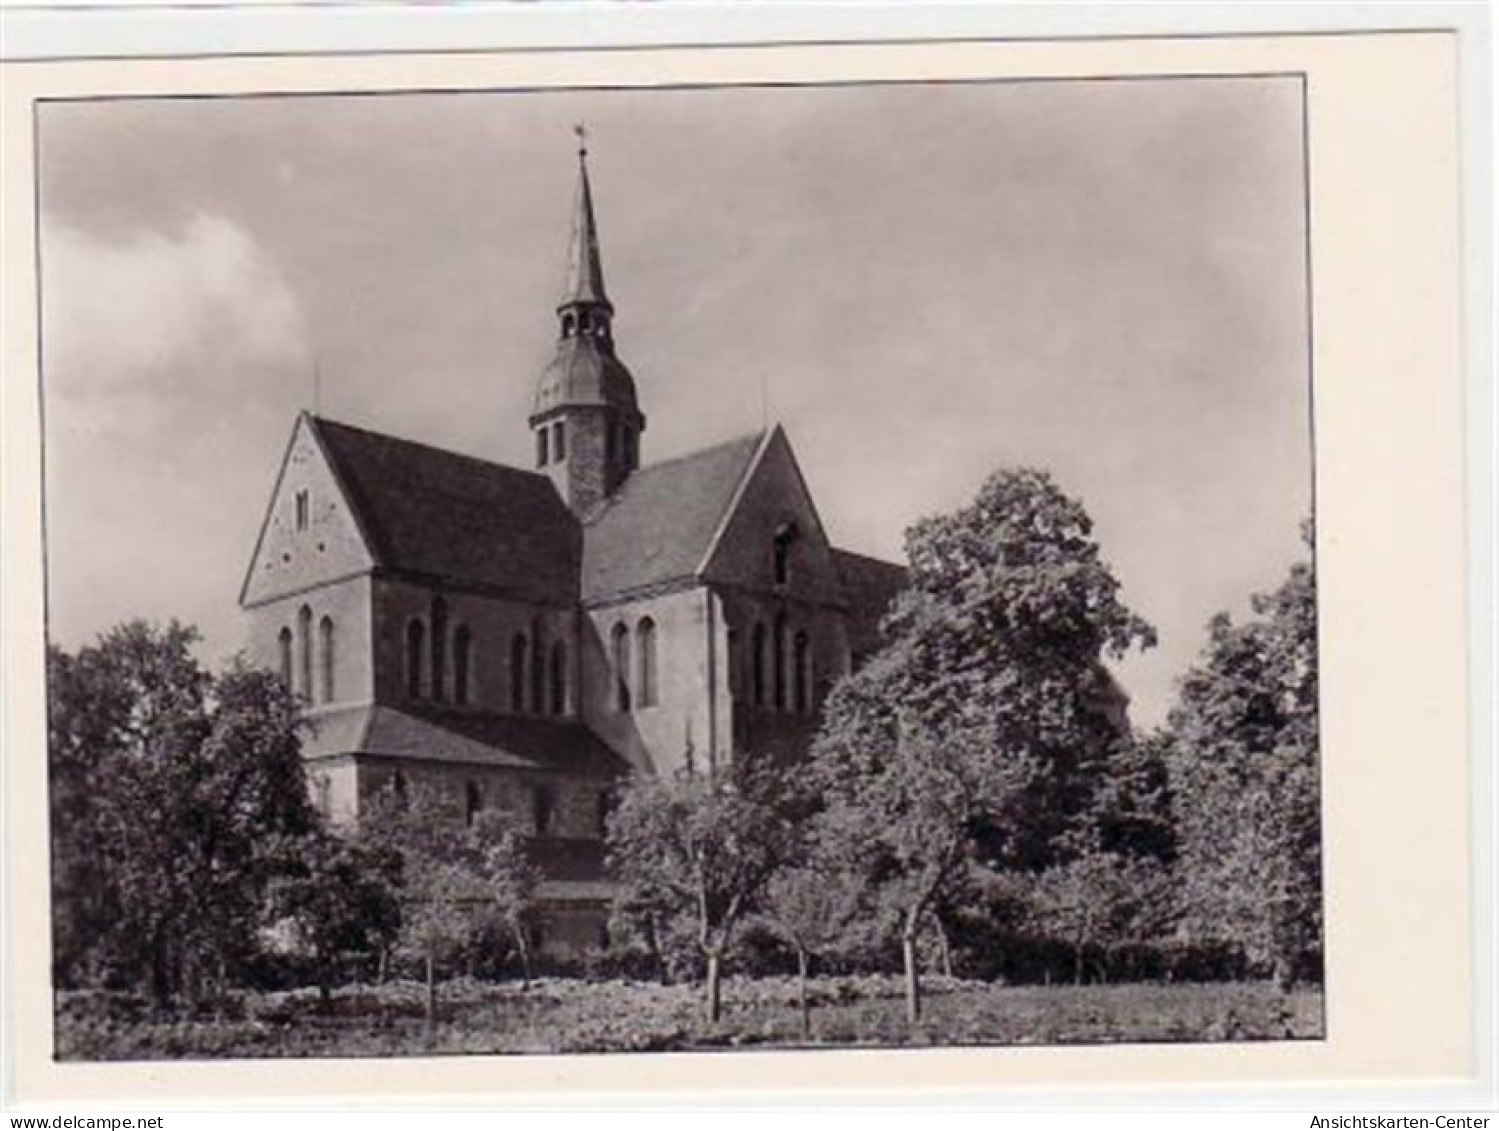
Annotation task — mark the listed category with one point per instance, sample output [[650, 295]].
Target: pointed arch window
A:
[[416, 637], [558, 681], [538, 669], [519, 646], [284, 644], [645, 671], [304, 646], [785, 535], [473, 803], [439, 646], [621, 656], [779, 661], [463, 646], [324, 802], [325, 642], [760, 661], [802, 672], [543, 809], [735, 673]]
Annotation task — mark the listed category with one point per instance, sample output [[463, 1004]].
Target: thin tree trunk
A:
[[944, 948], [1284, 974], [431, 997], [714, 1002], [801, 991], [524, 951], [913, 972], [653, 941], [220, 989]]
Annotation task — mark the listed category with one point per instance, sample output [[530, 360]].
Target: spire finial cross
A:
[[582, 131]]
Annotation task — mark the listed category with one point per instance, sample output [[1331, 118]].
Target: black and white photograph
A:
[[699, 568]]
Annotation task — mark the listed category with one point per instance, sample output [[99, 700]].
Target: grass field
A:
[[560, 1015]]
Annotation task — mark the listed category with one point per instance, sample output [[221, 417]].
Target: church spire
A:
[[586, 420], [585, 269]]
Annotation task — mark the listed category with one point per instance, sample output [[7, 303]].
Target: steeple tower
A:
[[585, 420]]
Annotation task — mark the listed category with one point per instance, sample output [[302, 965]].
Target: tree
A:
[[1245, 770], [976, 733], [441, 891], [696, 851], [172, 794], [1100, 900], [812, 906], [342, 898], [508, 880]]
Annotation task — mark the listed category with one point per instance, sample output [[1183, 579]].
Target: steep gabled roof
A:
[[657, 528], [455, 518]]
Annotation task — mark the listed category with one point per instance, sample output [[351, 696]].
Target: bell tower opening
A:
[[586, 419]]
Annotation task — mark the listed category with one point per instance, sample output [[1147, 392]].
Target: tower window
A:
[[645, 675], [559, 678], [302, 509], [567, 325], [415, 642], [583, 323], [463, 643], [541, 446], [518, 649], [621, 641], [325, 639], [559, 440]]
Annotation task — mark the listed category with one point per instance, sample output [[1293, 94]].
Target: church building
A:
[[522, 639]]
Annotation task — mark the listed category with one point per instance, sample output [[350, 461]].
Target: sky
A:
[[922, 282]]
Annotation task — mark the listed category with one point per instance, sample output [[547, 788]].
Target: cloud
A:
[[169, 360], [148, 305]]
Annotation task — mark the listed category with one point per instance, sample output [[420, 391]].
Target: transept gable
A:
[[310, 535], [771, 538]]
